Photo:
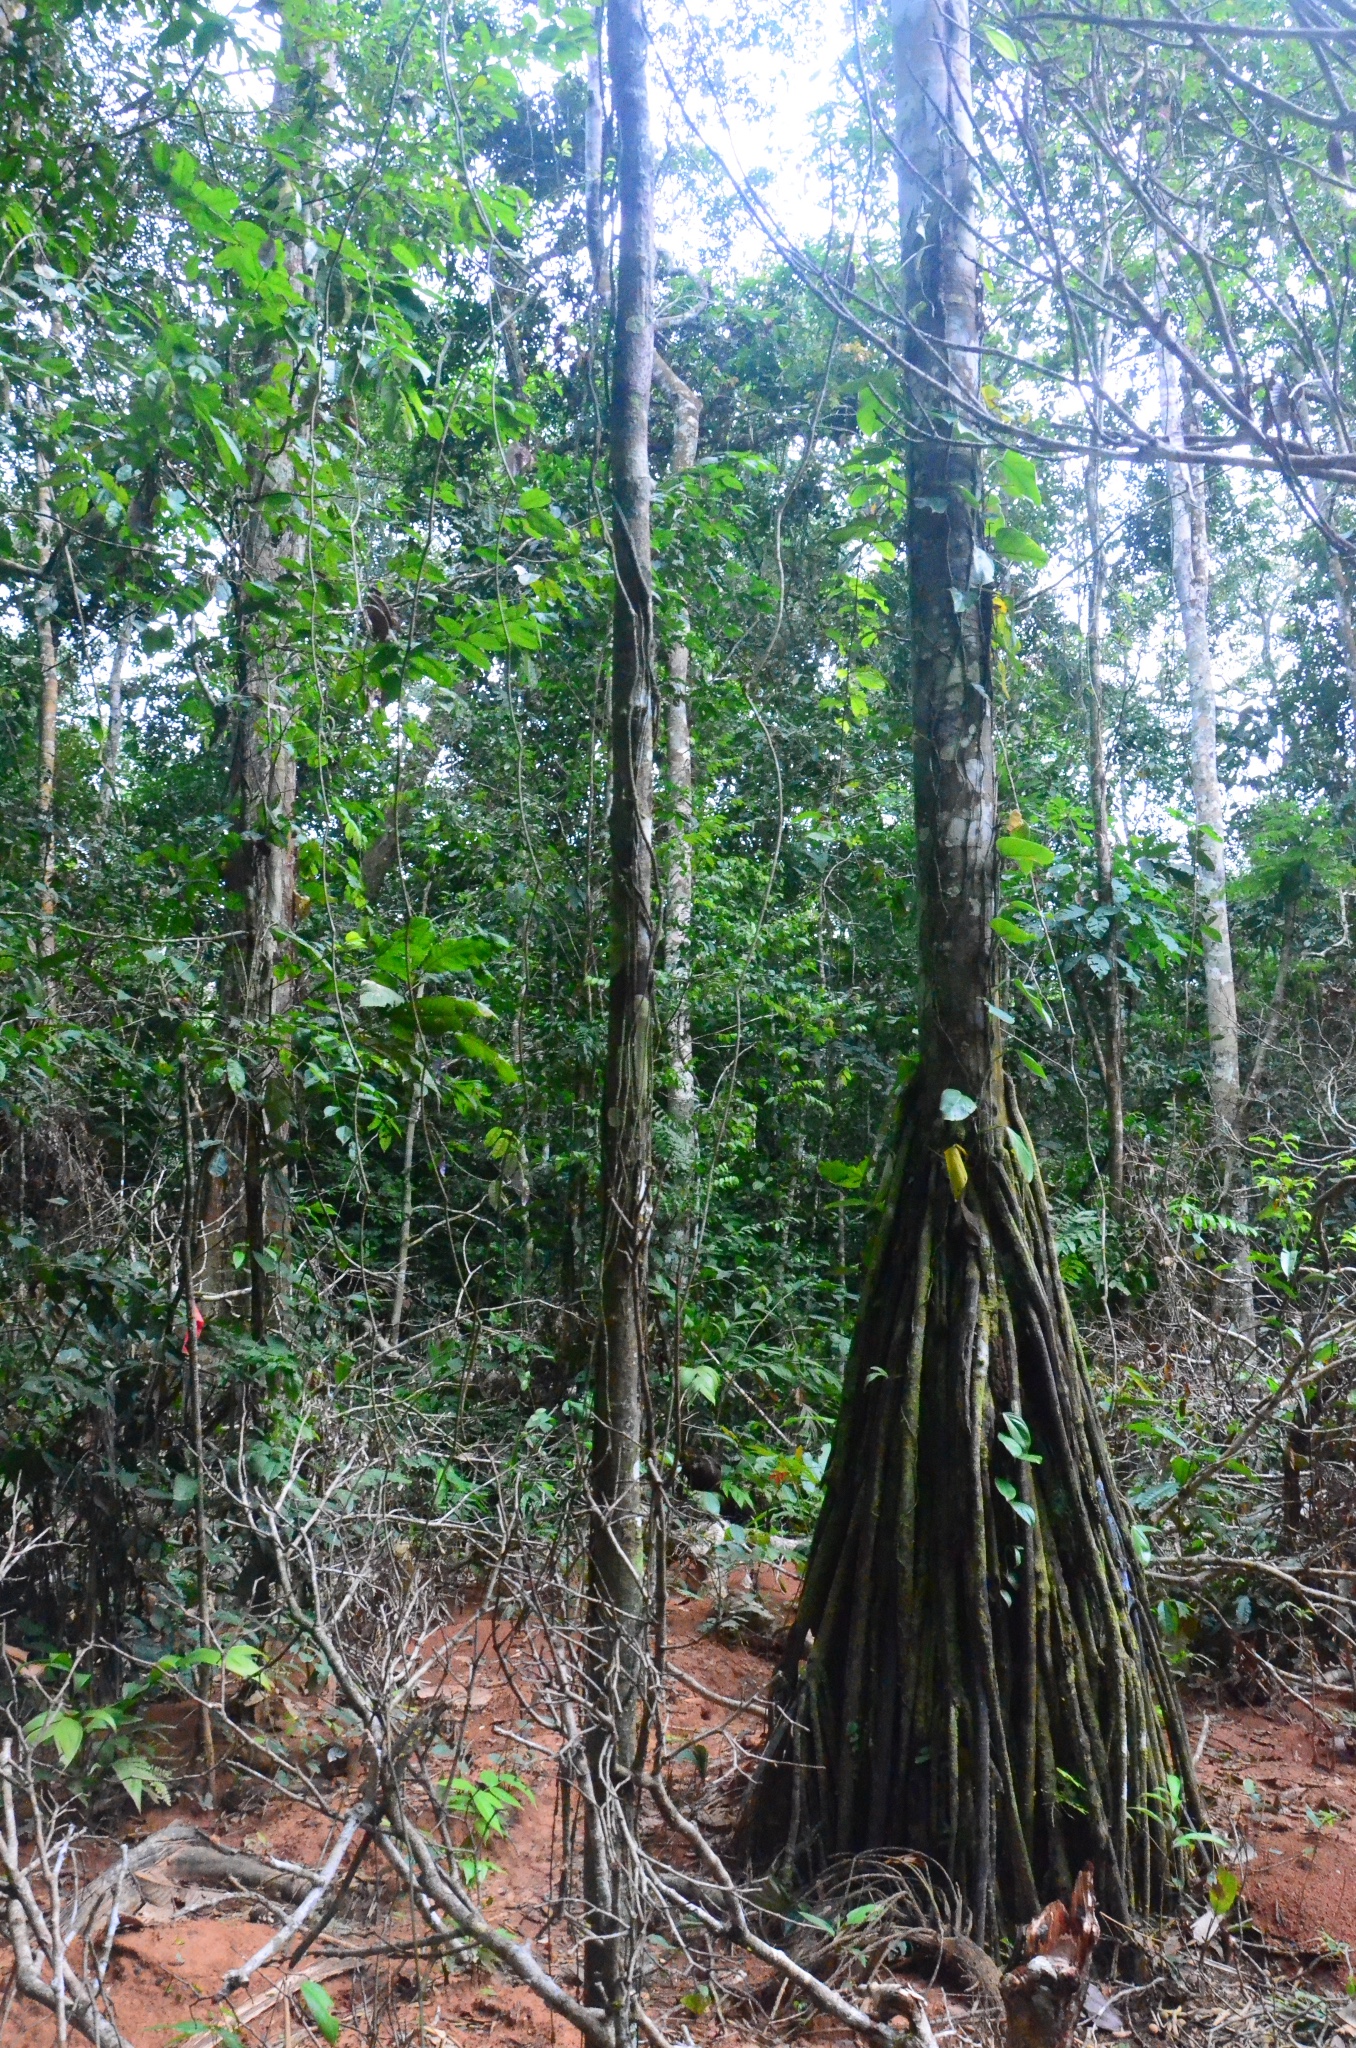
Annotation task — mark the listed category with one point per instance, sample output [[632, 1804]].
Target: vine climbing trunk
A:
[[616, 1586], [1191, 579], [974, 1669]]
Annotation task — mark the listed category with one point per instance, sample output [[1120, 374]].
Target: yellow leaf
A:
[[956, 1173], [1016, 822]]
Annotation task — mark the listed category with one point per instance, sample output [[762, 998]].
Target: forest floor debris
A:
[[202, 1889]]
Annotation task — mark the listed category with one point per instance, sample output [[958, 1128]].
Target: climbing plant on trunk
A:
[[974, 1669], [616, 1607]]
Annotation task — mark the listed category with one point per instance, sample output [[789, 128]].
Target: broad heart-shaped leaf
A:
[[1029, 852], [956, 1106], [1016, 474], [1016, 546]]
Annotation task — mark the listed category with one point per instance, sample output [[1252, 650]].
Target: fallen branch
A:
[[363, 1815]]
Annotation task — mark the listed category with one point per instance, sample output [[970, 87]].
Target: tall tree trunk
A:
[[49, 704], [250, 1198], [112, 755], [1112, 1055], [1340, 573], [1191, 577], [594, 122], [682, 1088], [615, 1561], [974, 1668]]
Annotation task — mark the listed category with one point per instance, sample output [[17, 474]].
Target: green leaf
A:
[[1022, 1509], [955, 1105], [375, 995], [67, 1733], [138, 1775], [477, 1049], [1016, 474], [840, 1174], [1016, 546], [1003, 43], [703, 1380], [228, 448], [243, 1660], [1029, 852], [1015, 1436], [237, 1080], [1225, 1887], [1026, 1158], [320, 2006], [1013, 933]]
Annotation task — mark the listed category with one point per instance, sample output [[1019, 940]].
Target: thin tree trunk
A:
[[682, 1089], [48, 708], [974, 1670], [263, 872], [1346, 627], [615, 1562], [187, 1254], [113, 737], [1191, 576], [594, 121], [1112, 1052], [406, 1208]]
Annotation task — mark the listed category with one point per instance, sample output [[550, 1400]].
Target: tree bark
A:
[[49, 705], [1191, 578], [1112, 1052], [263, 785], [974, 1668], [682, 1088], [594, 121], [113, 737], [616, 1590]]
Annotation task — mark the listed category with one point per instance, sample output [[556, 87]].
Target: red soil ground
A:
[[1277, 1784]]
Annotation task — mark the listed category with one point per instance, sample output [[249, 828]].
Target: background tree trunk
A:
[[249, 1199], [1191, 576], [682, 1089], [49, 705], [617, 1604], [112, 754], [1112, 1051], [974, 1669]]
